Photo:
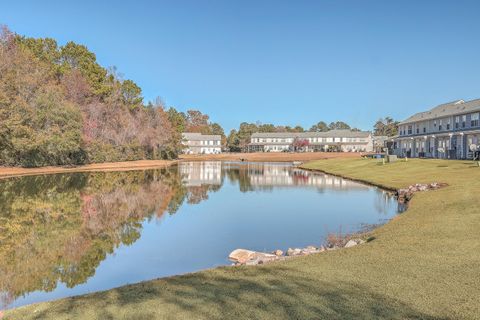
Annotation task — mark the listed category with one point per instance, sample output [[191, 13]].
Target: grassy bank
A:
[[8, 172], [424, 264]]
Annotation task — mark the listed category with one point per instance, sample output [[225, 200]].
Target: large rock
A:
[[262, 257], [248, 257], [241, 256]]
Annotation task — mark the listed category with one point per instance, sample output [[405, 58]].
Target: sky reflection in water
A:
[[70, 234]]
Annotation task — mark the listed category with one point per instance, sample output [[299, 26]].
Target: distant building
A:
[[197, 143], [448, 131], [333, 140]]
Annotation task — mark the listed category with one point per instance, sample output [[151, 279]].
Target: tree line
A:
[[59, 106]]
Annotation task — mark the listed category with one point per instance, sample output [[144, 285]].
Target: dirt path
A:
[[7, 172]]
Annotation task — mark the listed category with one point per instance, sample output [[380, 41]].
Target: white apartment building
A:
[[447, 131], [333, 140], [197, 143]]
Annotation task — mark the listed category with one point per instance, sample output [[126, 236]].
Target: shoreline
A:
[[11, 172], [270, 156], [361, 236], [403, 247]]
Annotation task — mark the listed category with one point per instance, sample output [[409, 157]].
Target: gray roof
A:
[[444, 110], [327, 134], [194, 136]]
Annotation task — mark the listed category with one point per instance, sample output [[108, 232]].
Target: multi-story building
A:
[[197, 143], [334, 140], [448, 131]]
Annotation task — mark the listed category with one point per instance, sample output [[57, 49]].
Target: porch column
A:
[[412, 150], [450, 146]]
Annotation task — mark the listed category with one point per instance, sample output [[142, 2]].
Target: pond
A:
[[68, 234]]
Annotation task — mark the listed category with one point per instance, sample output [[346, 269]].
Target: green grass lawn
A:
[[424, 264]]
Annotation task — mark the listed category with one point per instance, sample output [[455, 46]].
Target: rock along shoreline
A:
[[249, 257]]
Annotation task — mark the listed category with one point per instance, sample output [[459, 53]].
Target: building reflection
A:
[[281, 175], [200, 173], [59, 228]]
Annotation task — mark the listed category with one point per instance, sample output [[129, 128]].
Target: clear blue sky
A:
[[286, 62]]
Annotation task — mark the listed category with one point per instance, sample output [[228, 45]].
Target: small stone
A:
[[350, 243], [310, 250], [278, 253], [294, 252]]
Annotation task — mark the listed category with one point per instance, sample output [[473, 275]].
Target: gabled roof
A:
[[444, 110], [327, 134], [195, 136]]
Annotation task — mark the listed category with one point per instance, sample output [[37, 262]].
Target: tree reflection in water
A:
[[59, 228]]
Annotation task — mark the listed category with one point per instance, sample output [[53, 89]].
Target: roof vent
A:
[[459, 102]]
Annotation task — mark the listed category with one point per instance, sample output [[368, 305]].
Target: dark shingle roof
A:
[[444, 110]]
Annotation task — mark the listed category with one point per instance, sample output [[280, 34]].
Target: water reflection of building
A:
[[199, 173], [283, 175]]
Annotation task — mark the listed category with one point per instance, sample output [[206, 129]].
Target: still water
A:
[[70, 234]]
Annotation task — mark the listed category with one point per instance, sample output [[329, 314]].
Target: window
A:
[[474, 120], [424, 129], [464, 121], [440, 125], [448, 124], [418, 130], [457, 122], [409, 129]]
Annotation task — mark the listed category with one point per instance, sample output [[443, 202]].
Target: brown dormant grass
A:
[[7, 172]]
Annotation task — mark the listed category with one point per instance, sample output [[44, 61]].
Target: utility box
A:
[[391, 158]]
